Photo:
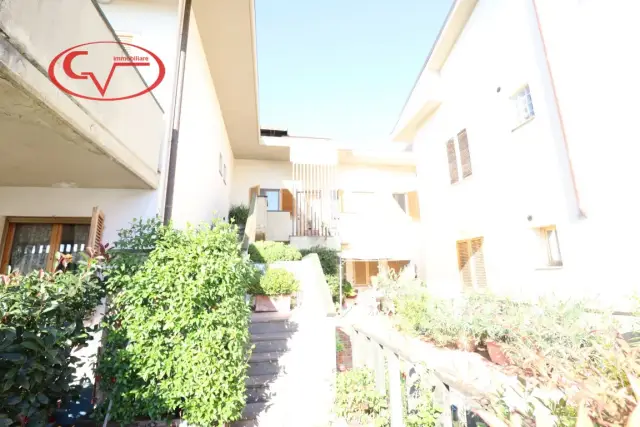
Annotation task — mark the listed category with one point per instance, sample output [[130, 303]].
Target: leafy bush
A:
[[329, 259], [333, 280], [239, 214], [177, 331], [357, 399], [268, 252], [424, 412], [276, 281], [41, 324]]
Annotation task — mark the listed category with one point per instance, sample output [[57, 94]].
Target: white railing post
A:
[[395, 391], [379, 366]]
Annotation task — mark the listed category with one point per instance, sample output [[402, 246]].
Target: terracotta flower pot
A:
[[277, 303], [496, 354], [466, 343]]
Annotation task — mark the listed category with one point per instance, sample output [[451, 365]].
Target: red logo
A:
[[96, 71]]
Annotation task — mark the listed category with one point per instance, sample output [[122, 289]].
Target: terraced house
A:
[[522, 149]]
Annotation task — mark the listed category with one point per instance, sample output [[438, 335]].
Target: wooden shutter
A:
[[96, 229], [453, 161], [464, 264], [479, 272], [341, 200], [465, 156], [253, 191], [413, 205], [286, 201]]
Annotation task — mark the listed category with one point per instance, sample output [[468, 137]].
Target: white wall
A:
[[265, 173], [155, 27], [119, 206], [200, 191], [516, 173]]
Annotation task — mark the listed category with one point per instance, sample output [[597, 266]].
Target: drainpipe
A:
[[176, 112], [581, 211]]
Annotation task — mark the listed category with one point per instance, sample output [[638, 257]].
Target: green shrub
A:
[[268, 252], [357, 399], [239, 214], [329, 259], [276, 281], [177, 331], [333, 280], [41, 324]]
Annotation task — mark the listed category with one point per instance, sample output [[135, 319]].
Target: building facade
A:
[[513, 119]]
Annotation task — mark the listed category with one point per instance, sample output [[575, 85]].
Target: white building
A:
[[64, 155], [520, 122]]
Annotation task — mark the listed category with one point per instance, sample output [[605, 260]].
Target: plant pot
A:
[[276, 303], [496, 354], [466, 343]]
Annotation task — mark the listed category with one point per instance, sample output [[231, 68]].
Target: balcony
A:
[[51, 138]]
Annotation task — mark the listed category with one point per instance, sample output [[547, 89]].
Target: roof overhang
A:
[[227, 30], [428, 91]]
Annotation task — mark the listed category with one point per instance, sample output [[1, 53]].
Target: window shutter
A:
[[465, 156], [414, 205], [253, 191], [286, 201], [96, 229], [341, 200], [464, 264], [126, 38], [480, 274], [453, 162]]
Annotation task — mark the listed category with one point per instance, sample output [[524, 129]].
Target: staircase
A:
[[292, 365]]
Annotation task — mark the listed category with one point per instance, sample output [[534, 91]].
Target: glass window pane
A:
[[273, 199], [401, 199], [30, 247], [74, 240], [554, 247]]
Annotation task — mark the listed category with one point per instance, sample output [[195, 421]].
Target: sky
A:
[[341, 68]]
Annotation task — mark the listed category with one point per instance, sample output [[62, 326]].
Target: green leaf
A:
[[12, 357], [52, 306], [14, 400], [30, 345], [42, 398]]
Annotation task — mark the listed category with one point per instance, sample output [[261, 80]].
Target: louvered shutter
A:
[[453, 162], [480, 274], [286, 201], [464, 264], [341, 200], [414, 205], [95, 230], [465, 156], [126, 38]]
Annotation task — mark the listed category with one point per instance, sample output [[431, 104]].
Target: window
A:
[[401, 199], [523, 106], [471, 263], [221, 165], [224, 174], [459, 157], [550, 246], [273, 198]]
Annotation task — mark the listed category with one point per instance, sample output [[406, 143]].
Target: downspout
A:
[[176, 112], [581, 211]]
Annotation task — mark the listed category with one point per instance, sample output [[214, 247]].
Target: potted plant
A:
[[273, 290], [238, 214]]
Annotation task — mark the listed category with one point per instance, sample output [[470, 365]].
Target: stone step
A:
[[272, 326], [269, 317], [270, 356], [271, 336], [257, 394], [264, 368], [255, 381], [269, 346], [252, 410]]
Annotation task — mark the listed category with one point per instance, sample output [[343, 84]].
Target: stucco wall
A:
[[119, 206], [200, 191], [516, 172]]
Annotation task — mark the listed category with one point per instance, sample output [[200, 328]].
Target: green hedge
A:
[[177, 330], [329, 259], [333, 280], [268, 252], [41, 323], [239, 214], [276, 281]]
